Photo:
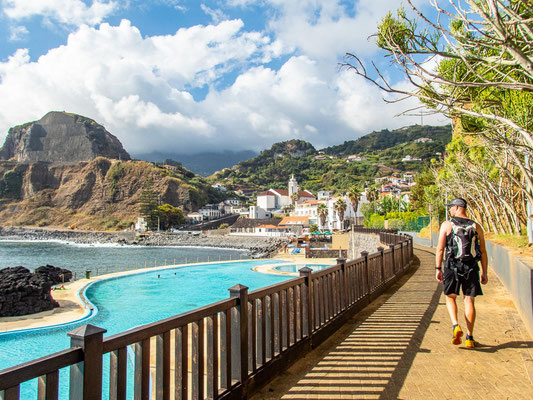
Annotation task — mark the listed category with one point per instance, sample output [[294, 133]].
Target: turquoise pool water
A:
[[296, 268], [128, 301]]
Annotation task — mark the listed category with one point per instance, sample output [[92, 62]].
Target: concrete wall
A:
[[515, 274], [318, 253], [362, 242]]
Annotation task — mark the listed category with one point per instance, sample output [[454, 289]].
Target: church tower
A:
[[293, 186]]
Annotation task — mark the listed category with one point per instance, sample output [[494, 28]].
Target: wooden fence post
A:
[[240, 359], [342, 262], [306, 273], [401, 257], [382, 264], [391, 246], [364, 254], [86, 377]]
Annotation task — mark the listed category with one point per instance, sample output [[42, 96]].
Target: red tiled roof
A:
[[267, 193], [307, 194], [271, 227], [294, 220]]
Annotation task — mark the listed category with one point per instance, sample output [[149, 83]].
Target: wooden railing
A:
[[226, 350]]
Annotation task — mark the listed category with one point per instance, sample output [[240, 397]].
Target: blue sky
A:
[[188, 76]]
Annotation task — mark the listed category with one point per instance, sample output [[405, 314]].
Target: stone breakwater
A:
[[257, 246]]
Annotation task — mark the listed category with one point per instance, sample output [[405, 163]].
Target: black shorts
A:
[[470, 285]]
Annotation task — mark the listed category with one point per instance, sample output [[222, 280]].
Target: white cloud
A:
[[215, 15], [17, 33], [133, 85], [139, 86], [67, 12]]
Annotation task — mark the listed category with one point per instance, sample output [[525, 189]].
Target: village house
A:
[[423, 140], [251, 227], [409, 158], [195, 217], [210, 211], [219, 186], [355, 158]]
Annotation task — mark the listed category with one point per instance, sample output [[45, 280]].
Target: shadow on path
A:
[[373, 361]]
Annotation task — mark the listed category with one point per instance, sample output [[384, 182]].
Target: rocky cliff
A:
[[61, 137], [98, 194]]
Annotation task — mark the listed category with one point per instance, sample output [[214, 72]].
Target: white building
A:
[[423, 140], [195, 217], [210, 211], [322, 195], [219, 186], [275, 199], [308, 208], [410, 158], [233, 202], [355, 158], [257, 212], [141, 225]]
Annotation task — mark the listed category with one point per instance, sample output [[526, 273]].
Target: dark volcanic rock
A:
[[23, 292], [61, 137], [52, 274]]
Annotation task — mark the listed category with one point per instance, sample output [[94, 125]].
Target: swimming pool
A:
[[295, 268], [132, 300]]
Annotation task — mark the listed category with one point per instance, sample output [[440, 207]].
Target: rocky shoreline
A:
[[257, 246]]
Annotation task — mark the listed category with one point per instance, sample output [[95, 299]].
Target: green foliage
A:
[[313, 228], [169, 216], [274, 167], [148, 203], [223, 226], [375, 142]]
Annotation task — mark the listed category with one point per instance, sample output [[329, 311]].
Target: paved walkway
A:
[[399, 348]]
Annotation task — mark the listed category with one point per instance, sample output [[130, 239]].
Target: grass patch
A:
[[512, 241]]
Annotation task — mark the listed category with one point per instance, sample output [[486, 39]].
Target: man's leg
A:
[[470, 314], [452, 307]]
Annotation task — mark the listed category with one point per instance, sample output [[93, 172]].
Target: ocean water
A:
[[129, 301], [106, 258]]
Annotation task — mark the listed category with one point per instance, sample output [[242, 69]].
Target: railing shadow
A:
[[374, 359]]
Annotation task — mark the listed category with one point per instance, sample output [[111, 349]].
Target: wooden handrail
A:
[[147, 331], [13, 376], [266, 291]]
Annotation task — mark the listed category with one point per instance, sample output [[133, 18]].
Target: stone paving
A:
[[399, 348]]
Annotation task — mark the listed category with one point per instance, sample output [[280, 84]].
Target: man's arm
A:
[[484, 258], [445, 229]]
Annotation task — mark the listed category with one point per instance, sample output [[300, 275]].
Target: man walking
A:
[[464, 243]]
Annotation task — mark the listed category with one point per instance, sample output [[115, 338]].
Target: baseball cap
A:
[[457, 202]]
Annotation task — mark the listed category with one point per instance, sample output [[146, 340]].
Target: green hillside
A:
[[385, 139], [329, 169]]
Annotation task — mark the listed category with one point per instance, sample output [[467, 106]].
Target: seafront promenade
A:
[[399, 348]]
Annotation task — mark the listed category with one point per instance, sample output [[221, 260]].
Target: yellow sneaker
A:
[[470, 342], [457, 333]]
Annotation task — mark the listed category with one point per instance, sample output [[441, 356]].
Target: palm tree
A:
[[294, 198], [340, 207], [354, 196], [372, 194], [322, 210]]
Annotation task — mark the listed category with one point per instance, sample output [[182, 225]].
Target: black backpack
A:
[[464, 244]]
